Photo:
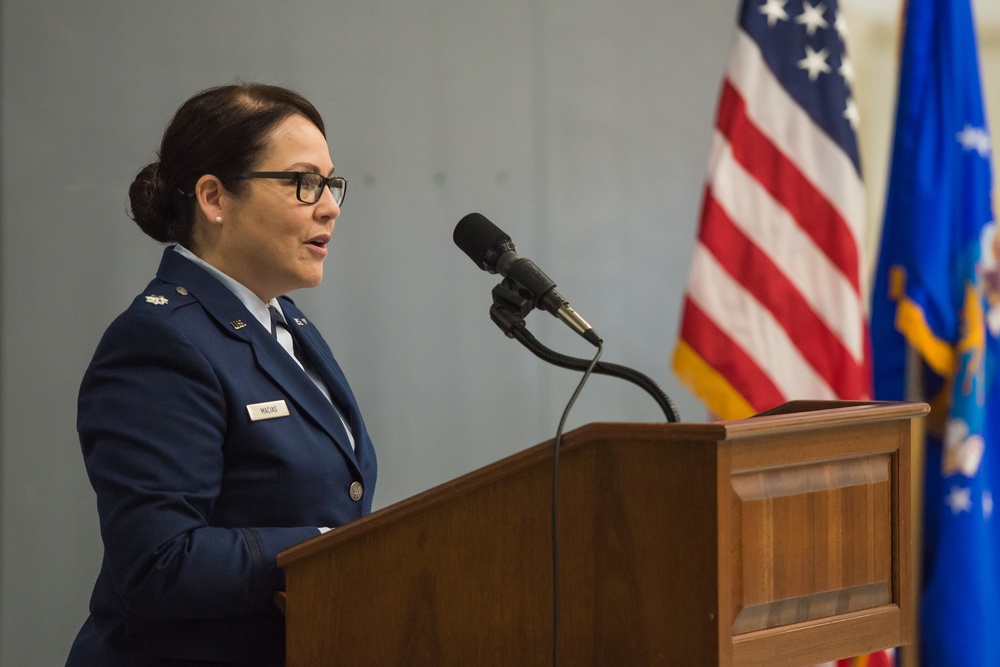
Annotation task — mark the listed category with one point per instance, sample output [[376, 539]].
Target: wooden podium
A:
[[782, 539]]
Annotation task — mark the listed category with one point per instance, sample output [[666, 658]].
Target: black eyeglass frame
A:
[[297, 177]]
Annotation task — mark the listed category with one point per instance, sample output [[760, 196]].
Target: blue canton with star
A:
[[803, 44]]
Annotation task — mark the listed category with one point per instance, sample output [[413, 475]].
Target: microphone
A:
[[493, 251]]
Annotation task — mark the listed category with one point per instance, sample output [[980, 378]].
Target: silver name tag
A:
[[270, 410]]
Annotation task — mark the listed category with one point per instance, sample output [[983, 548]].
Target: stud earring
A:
[[218, 219]]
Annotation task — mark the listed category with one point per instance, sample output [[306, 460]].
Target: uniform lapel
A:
[[322, 361], [230, 313]]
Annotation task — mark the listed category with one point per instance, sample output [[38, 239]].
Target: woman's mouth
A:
[[319, 243]]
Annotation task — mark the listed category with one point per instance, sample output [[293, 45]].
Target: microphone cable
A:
[[555, 503], [524, 288]]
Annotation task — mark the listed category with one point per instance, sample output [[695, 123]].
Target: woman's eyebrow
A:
[[311, 167]]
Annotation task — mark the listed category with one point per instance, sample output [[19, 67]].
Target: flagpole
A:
[[910, 655]]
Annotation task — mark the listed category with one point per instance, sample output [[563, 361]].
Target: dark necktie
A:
[[276, 321]]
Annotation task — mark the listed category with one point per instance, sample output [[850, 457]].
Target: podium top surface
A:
[[802, 415]]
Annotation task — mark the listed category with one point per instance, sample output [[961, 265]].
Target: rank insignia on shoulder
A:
[[238, 324], [156, 299]]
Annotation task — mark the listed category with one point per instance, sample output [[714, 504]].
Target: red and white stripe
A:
[[774, 309]]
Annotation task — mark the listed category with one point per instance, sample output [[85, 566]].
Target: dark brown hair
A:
[[220, 131]]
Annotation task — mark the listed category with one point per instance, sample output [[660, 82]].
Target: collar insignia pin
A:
[[238, 324], [301, 321]]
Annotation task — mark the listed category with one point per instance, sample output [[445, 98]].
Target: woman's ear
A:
[[210, 192]]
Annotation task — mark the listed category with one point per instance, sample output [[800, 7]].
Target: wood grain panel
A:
[[821, 536]]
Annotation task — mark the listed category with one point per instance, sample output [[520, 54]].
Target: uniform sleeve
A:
[[152, 422]]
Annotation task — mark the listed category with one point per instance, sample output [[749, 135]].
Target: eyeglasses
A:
[[309, 184]]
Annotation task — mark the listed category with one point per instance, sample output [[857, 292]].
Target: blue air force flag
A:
[[937, 289]]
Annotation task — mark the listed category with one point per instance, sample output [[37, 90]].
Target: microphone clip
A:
[[511, 304]]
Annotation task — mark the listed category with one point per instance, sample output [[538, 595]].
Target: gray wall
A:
[[581, 127]]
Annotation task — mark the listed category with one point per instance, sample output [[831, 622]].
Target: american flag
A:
[[774, 308]]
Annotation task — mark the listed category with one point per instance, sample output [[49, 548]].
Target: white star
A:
[[975, 138], [814, 62], [846, 69], [987, 504], [958, 500], [812, 17], [840, 25], [775, 10], [851, 113], [963, 451]]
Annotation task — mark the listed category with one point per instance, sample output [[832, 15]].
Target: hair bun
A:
[[151, 208]]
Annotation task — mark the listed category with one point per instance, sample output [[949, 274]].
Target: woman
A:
[[216, 426]]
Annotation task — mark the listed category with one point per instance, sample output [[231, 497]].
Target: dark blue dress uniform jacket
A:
[[195, 499]]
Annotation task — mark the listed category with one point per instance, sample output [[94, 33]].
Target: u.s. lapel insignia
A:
[[301, 321], [156, 299], [238, 324], [181, 290]]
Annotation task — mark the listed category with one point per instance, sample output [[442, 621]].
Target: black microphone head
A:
[[481, 240]]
